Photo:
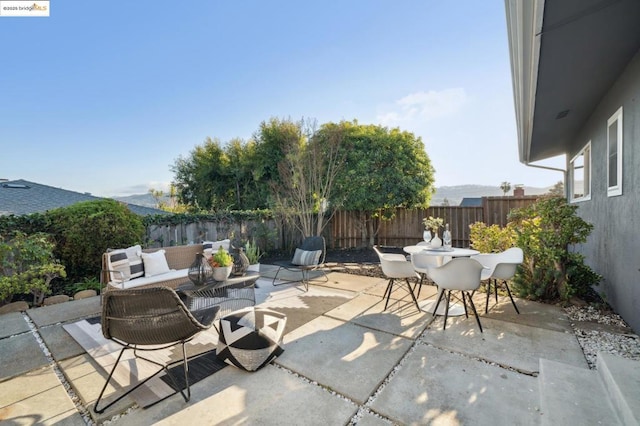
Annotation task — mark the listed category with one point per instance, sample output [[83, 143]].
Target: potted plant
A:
[[433, 223], [222, 264], [253, 253]]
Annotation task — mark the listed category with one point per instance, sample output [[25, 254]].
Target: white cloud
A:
[[424, 106]]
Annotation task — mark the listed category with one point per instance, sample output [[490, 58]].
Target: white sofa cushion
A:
[[127, 262], [155, 263], [171, 275]]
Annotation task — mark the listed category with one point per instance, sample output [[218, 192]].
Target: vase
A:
[[240, 262], [200, 270], [221, 273], [436, 241]]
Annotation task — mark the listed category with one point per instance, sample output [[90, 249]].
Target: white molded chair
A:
[[422, 263], [395, 266], [506, 267], [460, 274]]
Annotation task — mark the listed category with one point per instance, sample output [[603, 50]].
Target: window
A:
[[580, 174], [614, 154]]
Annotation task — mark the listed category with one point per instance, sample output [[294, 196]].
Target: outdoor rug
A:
[[200, 351], [299, 306]]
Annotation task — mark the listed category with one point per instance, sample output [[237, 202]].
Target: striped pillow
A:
[[306, 257], [126, 261]]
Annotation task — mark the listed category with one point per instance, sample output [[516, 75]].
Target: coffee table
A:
[[230, 295]]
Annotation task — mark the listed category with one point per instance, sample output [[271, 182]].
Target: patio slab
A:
[[505, 343], [402, 319], [270, 396], [534, 314], [345, 357], [12, 324], [39, 398], [60, 343], [20, 354], [357, 283], [437, 387], [65, 312]]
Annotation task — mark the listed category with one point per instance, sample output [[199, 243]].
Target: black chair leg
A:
[[412, 295], [464, 303], [446, 312], [495, 287], [511, 297], [486, 306], [438, 302], [474, 311], [388, 293]]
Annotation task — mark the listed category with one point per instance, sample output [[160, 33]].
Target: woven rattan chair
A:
[[309, 245], [138, 318]]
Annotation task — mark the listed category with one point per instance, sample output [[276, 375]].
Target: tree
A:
[[168, 202], [384, 169], [557, 189], [506, 187], [307, 174]]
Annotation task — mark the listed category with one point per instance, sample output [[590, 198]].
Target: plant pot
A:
[[221, 273], [254, 267]]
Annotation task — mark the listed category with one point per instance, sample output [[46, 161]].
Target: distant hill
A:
[[454, 194], [145, 200]]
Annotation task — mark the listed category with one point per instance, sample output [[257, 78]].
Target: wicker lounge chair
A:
[[137, 318], [308, 257]]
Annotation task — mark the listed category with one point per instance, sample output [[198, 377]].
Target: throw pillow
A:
[[126, 261], [214, 245], [306, 257], [155, 263]]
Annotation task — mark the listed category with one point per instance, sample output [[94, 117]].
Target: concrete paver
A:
[[37, 398], [12, 324], [505, 343], [270, 396], [345, 357], [59, 342], [438, 387], [65, 312], [20, 354]]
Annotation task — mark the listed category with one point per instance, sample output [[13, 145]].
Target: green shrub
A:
[[490, 239], [544, 231], [85, 230], [27, 266], [90, 283]]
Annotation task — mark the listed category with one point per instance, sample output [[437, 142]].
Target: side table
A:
[[229, 295]]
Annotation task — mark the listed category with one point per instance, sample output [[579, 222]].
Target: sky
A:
[[104, 97]]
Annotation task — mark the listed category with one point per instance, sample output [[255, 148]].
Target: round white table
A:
[[429, 305]]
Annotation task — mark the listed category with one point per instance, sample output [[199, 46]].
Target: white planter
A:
[[221, 273], [254, 267]]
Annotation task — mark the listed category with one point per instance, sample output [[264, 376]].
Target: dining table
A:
[[455, 309]]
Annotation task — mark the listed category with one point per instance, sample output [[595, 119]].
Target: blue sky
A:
[[103, 97]]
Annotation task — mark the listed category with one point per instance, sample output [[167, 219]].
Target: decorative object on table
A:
[[446, 237], [200, 270], [426, 236], [250, 338], [222, 264], [254, 254], [240, 262], [433, 224]]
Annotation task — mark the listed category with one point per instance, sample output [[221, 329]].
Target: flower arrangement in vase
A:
[[433, 224], [222, 264]]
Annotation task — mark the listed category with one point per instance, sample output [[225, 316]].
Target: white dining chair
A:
[[506, 267], [396, 267], [460, 274], [422, 263]]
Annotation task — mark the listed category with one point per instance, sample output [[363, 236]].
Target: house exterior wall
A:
[[613, 248]]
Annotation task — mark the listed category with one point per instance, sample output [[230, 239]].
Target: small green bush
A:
[[490, 239], [545, 230], [27, 265], [85, 230]]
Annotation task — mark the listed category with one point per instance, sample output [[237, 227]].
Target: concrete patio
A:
[[353, 364]]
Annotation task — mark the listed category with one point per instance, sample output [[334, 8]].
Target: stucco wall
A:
[[613, 249]]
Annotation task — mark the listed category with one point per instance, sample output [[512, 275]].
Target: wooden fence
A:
[[349, 229]]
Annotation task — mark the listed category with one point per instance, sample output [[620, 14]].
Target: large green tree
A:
[[384, 169]]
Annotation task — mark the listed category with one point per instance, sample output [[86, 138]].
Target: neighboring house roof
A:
[[565, 55], [21, 197], [471, 202]]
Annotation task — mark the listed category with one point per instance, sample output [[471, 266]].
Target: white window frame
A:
[[614, 190], [585, 153]]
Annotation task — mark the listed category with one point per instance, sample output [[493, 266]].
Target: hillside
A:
[[454, 194]]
